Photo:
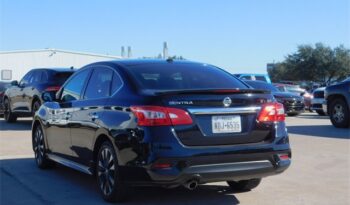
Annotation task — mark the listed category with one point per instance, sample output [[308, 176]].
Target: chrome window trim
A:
[[230, 110]]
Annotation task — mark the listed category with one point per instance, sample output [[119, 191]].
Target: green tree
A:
[[318, 63]]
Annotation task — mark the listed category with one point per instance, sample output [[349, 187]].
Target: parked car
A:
[[23, 99], [318, 101], [261, 77], [293, 103], [297, 90], [338, 103], [161, 123], [3, 87]]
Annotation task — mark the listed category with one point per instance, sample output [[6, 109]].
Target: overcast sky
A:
[[237, 35]]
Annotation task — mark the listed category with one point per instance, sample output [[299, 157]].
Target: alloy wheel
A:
[[338, 113], [39, 146], [106, 171]]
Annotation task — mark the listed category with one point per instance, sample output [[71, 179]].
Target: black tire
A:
[[320, 112], [9, 116], [244, 185], [40, 149], [35, 107], [107, 174], [339, 113]]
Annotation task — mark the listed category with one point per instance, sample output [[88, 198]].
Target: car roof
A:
[[56, 69], [137, 62]]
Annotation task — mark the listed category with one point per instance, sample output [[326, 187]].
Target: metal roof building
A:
[[15, 64]]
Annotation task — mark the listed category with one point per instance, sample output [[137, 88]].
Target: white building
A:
[[14, 64]]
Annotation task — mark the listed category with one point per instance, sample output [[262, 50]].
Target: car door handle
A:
[[93, 116]]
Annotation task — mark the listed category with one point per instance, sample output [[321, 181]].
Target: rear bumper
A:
[[182, 171]]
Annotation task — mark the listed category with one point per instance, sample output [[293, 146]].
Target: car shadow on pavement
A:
[[20, 125], [328, 131], [61, 185]]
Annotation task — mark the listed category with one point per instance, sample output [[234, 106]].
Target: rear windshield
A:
[[186, 76], [60, 77], [262, 86]]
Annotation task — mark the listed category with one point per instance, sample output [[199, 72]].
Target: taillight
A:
[[272, 112], [158, 116], [52, 88]]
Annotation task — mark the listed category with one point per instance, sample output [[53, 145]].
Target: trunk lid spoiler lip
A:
[[154, 92]]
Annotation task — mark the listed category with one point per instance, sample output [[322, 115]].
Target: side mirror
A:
[[14, 83], [47, 97]]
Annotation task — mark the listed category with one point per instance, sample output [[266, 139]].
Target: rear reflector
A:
[[52, 88], [272, 112], [283, 156], [161, 166], [160, 116]]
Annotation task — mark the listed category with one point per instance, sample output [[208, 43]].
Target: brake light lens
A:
[[272, 112], [52, 88], [160, 116]]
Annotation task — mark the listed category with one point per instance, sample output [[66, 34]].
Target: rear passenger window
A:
[[99, 85], [44, 77], [116, 83], [74, 87]]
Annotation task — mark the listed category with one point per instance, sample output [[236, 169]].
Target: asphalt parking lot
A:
[[320, 173]]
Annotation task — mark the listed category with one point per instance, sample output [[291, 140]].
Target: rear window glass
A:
[[173, 76], [262, 86], [60, 77]]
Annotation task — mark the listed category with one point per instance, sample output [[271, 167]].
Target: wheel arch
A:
[[37, 122], [35, 99], [100, 139]]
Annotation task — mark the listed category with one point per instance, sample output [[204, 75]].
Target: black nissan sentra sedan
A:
[[161, 123]]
